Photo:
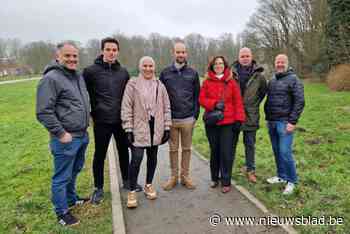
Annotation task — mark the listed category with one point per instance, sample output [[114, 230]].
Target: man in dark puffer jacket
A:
[[283, 107]]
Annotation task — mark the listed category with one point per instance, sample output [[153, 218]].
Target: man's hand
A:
[[290, 127], [237, 126], [65, 138]]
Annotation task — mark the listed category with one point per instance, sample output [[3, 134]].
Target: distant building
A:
[[10, 67]]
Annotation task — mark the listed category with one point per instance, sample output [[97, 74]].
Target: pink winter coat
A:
[[135, 118]]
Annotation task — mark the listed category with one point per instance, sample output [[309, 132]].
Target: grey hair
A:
[[143, 59], [62, 44]]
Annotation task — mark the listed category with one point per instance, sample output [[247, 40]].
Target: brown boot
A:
[[251, 176], [187, 182], [132, 200], [171, 183], [149, 191]]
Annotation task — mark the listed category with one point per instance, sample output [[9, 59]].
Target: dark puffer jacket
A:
[[106, 84], [183, 88], [285, 98], [254, 92]]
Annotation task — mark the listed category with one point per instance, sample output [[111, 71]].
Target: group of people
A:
[[145, 112]]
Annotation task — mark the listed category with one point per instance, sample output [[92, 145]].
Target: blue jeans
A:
[[69, 160], [282, 143]]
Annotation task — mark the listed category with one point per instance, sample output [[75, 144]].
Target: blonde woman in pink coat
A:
[[146, 118]]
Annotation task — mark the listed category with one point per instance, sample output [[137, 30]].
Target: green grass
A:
[[21, 77], [26, 170], [321, 150]]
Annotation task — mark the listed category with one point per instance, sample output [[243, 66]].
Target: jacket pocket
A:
[[74, 120]]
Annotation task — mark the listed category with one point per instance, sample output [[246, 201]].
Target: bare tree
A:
[[295, 27]]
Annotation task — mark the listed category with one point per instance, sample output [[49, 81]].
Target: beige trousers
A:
[[180, 132]]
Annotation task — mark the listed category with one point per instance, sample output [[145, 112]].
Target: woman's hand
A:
[[130, 137], [166, 136], [220, 105]]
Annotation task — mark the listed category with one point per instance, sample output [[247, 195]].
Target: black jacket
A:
[[105, 84], [183, 88], [285, 98], [62, 103]]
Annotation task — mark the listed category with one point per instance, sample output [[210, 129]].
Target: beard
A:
[[180, 61]]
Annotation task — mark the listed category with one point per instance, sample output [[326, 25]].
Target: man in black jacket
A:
[[182, 84], [283, 107], [253, 89], [63, 108], [105, 81]]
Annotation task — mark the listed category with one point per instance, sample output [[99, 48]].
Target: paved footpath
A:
[[185, 211]]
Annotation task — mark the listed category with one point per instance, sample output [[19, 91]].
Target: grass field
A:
[[26, 172], [22, 77], [322, 152]]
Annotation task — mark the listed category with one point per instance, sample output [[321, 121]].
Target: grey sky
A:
[[81, 20]]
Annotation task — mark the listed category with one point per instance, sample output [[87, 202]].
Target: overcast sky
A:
[[81, 20]]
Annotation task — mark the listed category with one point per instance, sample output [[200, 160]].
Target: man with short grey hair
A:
[[63, 109], [283, 107], [253, 89]]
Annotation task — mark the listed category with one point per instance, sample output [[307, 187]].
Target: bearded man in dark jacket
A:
[[253, 89]]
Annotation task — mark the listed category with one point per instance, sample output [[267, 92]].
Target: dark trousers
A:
[[102, 134], [136, 160], [222, 151], [137, 156], [249, 139]]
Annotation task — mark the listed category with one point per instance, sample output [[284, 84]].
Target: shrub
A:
[[339, 78]]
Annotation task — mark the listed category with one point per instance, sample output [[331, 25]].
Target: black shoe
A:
[[214, 184], [127, 187], [67, 219], [97, 196], [79, 202]]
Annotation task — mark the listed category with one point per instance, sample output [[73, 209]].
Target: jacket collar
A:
[[55, 65], [227, 75], [114, 66], [174, 69], [280, 75], [236, 66]]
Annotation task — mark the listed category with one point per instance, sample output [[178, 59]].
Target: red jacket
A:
[[211, 92]]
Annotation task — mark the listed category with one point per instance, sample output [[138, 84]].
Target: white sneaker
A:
[[275, 180], [289, 188]]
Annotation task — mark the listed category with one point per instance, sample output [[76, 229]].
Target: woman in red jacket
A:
[[220, 91]]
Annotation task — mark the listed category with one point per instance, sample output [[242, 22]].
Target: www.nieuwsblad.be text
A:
[[218, 219]]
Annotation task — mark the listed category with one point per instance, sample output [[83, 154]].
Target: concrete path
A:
[[21, 80], [186, 211]]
